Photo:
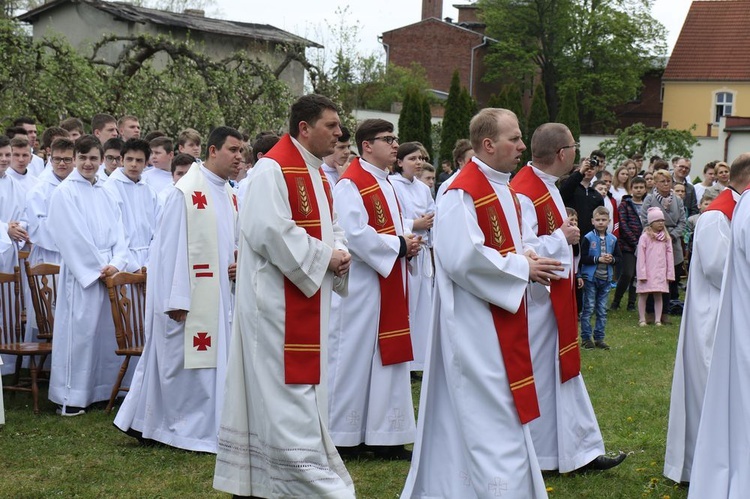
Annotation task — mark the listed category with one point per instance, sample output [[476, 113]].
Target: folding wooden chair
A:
[[11, 337], [127, 297]]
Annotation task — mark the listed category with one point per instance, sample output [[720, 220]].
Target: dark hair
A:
[[113, 143], [20, 142], [598, 154], [368, 129], [4, 141], [99, 121], [12, 131], [23, 120], [52, 133], [163, 141], [346, 135], [571, 212], [428, 168], [136, 145], [182, 159], [636, 156], [460, 149], [62, 144], [637, 180], [86, 143], [309, 108], [150, 136], [598, 183], [219, 135], [711, 165], [660, 164], [72, 124], [403, 151], [264, 142]]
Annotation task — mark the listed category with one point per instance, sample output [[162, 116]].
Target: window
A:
[[723, 105]]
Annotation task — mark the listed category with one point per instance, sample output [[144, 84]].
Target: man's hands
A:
[[413, 245], [232, 271], [177, 315], [424, 222], [571, 232], [340, 262], [585, 166], [108, 271], [17, 232], [542, 270]]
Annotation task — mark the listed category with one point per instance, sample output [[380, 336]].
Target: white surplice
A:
[[138, 203], [695, 344], [470, 441], [368, 402], [12, 202], [273, 439], [86, 227], [416, 200], [331, 173], [26, 181], [176, 406], [566, 435], [44, 248], [157, 179]]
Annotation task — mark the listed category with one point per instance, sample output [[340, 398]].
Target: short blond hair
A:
[[484, 125]]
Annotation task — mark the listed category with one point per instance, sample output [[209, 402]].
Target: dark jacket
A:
[[630, 224], [582, 199]]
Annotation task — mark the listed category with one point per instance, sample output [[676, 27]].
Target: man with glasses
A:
[[370, 346], [112, 158], [681, 175]]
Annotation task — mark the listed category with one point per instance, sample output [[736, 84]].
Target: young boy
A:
[[19, 163], [573, 218], [630, 232], [162, 153], [189, 142], [599, 254], [112, 158], [709, 175], [609, 202]]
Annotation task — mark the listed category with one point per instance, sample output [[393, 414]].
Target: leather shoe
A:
[[604, 462], [391, 452]]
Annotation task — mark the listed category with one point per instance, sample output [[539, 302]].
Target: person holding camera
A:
[[578, 192]]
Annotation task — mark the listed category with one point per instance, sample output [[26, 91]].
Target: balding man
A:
[[566, 435]]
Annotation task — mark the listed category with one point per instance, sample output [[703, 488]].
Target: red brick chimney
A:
[[432, 8]]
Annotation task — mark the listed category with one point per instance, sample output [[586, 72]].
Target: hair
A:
[[181, 159], [264, 142], [368, 129], [615, 182], [114, 143], [99, 121], [600, 210], [547, 141], [651, 232], [425, 153], [12, 131], [62, 144], [709, 166], [428, 168], [19, 141], [136, 145], [484, 125], [605, 173], [72, 125], [247, 154], [571, 212], [309, 109], [660, 164], [719, 164], [740, 170], [460, 149], [86, 143], [637, 156], [24, 120], [653, 159], [189, 134], [4, 141], [637, 181], [675, 159], [155, 134], [124, 118], [598, 183], [598, 154], [219, 135], [52, 133], [163, 142], [710, 194], [346, 135], [403, 151]]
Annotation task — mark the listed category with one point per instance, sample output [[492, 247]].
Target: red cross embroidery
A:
[[199, 200], [202, 341], [234, 201]]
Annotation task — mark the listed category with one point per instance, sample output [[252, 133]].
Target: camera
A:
[[593, 162]]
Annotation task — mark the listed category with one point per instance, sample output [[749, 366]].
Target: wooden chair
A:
[[23, 257], [43, 284], [127, 297], [11, 337]]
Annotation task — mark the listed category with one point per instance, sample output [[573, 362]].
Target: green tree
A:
[[410, 119], [454, 119], [426, 119], [568, 114], [648, 141], [538, 114]]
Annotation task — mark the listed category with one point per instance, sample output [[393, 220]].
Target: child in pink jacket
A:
[[655, 266]]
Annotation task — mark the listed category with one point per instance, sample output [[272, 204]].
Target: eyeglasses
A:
[[57, 160], [112, 159], [575, 146], [388, 139]]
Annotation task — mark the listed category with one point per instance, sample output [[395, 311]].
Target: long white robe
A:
[[176, 406], [416, 200], [44, 248], [27, 181], [566, 435], [86, 227], [138, 203], [157, 179], [470, 441], [273, 439], [368, 402]]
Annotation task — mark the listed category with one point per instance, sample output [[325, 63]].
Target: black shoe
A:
[[71, 411], [604, 462], [614, 306], [352, 452], [391, 452], [588, 344], [631, 307], [603, 346]]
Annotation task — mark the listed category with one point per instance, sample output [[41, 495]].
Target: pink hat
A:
[[654, 215]]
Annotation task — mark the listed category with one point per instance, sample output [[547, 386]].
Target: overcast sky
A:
[[309, 18]]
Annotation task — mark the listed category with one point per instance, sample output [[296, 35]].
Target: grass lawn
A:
[[86, 456]]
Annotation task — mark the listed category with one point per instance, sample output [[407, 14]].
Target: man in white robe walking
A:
[[698, 327], [273, 439], [177, 390], [477, 395]]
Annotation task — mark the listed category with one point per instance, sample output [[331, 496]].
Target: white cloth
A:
[[722, 448], [26, 181], [470, 441], [331, 173], [618, 193], [138, 205], [87, 229], [368, 402], [696, 341], [44, 248], [157, 179], [273, 439], [416, 200], [566, 436], [700, 190], [36, 165], [176, 406]]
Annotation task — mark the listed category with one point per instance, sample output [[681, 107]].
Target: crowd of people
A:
[[295, 289]]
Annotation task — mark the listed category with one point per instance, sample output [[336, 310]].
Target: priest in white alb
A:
[[273, 438], [177, 390], [698, 327]]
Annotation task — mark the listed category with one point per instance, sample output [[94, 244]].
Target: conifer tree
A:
[[452, 120]]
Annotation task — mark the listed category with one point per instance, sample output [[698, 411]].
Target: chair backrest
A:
[[23, 257], [43, 284], [127, 297], [10, 311]]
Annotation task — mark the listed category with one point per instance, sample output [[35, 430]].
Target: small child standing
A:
[[655, 267], [573, 219], [599, 254]]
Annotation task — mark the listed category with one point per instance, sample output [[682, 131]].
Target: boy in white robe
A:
[[179, 167], [170, 399], [19, 166], [87, 229], [162, 153], [335, 164]]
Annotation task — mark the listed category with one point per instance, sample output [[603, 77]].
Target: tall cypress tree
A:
[[539, 114], [427, 126], [568, 114], [452, 120]]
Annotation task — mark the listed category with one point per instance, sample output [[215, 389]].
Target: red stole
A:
[[724, 203], [615, 217], [302, 314], [512, 329], [394, 338], [562, 292]]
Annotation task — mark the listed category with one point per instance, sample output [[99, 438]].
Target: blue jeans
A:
[[595, 294]]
